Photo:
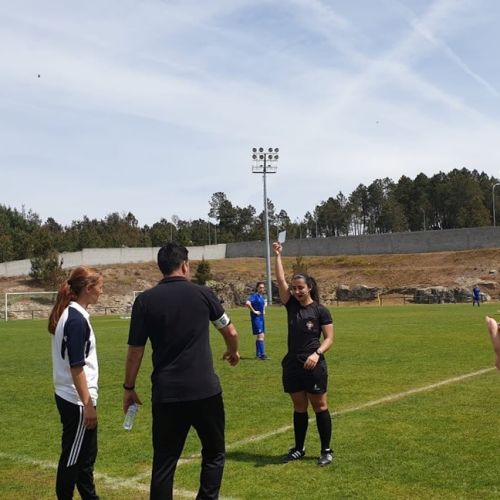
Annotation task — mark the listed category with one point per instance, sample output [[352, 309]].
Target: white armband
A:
[[221, 322]]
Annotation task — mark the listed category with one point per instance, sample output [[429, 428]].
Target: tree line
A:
[[458, 199]]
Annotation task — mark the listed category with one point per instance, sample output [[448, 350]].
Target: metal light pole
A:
[[265, 163], [493, 202]]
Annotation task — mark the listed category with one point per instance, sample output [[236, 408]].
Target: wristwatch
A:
[[319, 352]]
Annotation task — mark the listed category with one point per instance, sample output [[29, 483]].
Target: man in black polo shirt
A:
[[175, 316]]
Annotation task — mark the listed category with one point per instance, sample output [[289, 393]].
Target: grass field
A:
[[398, 432]]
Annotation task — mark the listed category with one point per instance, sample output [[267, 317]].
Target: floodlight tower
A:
[[264, 162]]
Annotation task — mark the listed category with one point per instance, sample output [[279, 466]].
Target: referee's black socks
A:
[[324, 423], [300, 423]]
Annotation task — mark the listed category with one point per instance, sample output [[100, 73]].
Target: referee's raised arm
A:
[[284, 290]]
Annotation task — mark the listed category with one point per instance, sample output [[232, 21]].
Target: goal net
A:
[[27, 305]]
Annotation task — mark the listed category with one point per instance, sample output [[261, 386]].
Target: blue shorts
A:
[[258, 325]]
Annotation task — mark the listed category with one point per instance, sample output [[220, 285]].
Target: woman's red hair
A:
[[70, 289]]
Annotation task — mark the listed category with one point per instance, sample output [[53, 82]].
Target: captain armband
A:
[[222, 321]]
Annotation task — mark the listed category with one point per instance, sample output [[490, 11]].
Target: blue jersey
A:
[[259, 304]]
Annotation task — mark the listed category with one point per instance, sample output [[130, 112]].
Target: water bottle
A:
[[129, 417]]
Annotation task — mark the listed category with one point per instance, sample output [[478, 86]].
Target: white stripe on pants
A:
[[77, 443]]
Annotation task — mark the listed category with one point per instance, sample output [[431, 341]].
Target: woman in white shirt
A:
[[75, 373]]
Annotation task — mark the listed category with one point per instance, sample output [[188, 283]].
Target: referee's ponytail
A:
[[69, 290]]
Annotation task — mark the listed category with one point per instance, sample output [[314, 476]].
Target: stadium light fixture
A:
[[493, 202], [264, 162]]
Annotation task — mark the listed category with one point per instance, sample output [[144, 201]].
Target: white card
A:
[[282, 237]]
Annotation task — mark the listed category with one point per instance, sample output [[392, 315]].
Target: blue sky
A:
[[151, 106]]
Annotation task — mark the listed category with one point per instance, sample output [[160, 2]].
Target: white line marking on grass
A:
[[147, 475], [115, 483], [410, 392], [386, 399], [133, 484]]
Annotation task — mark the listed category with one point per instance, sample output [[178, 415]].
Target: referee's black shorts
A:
[[296, 378]]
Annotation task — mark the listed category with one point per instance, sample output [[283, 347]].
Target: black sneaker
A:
[[326, 457], [293, 454], [264, 357]]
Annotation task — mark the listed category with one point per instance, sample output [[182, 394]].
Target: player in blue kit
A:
[[476, 296], [257, 305]]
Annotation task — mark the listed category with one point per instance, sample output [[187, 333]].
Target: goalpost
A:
[[128, 313], [24, 303]]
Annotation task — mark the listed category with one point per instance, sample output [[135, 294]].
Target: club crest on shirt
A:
[[309, 325]]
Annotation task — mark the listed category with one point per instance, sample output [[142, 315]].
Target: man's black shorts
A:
[[296, 378]]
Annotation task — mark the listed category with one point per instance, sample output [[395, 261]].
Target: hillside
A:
[[235, 277]]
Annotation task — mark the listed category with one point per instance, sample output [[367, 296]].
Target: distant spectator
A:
[[476, 296]]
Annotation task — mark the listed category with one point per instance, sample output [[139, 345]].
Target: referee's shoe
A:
[[326, 457], [293, 454]]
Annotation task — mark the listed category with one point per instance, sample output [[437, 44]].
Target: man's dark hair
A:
[[171, 256]]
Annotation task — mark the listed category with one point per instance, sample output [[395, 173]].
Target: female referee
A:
[[305, 375], [75, 372]]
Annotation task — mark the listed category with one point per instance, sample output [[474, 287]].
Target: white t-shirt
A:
[[73, 345]]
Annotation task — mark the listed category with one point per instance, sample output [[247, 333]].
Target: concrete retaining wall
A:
[[109, 256], [416, 242]]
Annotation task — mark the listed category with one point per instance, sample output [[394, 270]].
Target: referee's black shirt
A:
[[175, 316]]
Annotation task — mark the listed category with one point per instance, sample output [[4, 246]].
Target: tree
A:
[[47, 270], [332, 216], [6, 246], [203, 273], [245, 222], [358, 201], [300, 266], [161, 232], [199, 232], [392, 217]]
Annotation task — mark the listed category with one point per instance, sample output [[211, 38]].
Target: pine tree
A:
[[203, 273]]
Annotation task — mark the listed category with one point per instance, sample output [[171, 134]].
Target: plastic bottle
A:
[[130, 416]]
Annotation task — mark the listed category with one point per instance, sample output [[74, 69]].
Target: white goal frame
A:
[[7, 294], [128, 312]]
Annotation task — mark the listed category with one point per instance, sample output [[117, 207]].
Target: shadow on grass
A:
[[260, 460]]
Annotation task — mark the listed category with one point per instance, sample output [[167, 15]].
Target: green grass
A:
[[442, 443]]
